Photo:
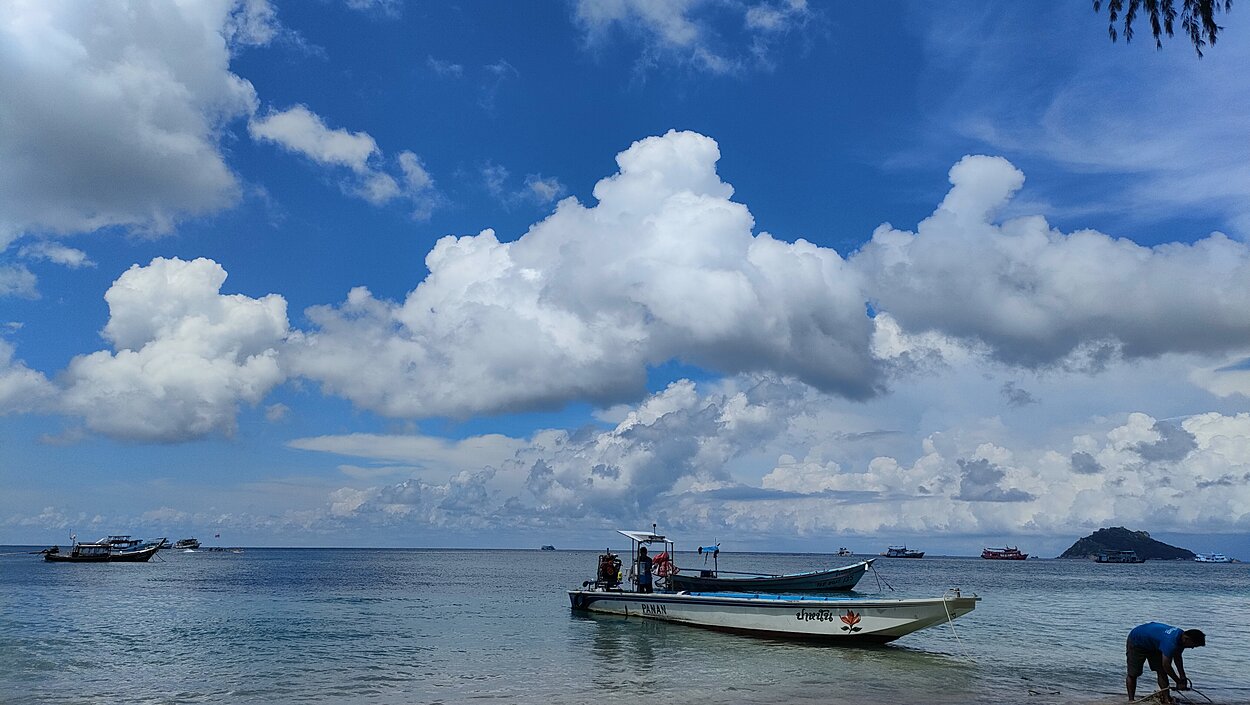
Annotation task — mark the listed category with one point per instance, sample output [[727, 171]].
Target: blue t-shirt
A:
[[1157, 636]]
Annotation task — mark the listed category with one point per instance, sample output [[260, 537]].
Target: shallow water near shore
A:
[[450, 626]]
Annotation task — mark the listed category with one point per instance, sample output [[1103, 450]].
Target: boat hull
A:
[[835, 580], [830, 620], [139, 555], [134, 555], [69, 558]]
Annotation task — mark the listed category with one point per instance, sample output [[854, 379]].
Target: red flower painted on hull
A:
[[850, 619]]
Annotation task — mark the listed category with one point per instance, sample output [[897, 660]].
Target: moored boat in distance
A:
[[902, 552], [548, 547], [835, 620], [1007, 553], [844, 551], [118, 542], [186, 544], [1212, 558], [105, 551], [138, 553], [1118, 557], [80, 553]]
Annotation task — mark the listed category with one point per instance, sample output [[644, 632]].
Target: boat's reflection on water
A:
[[623, 649], [653, 656]]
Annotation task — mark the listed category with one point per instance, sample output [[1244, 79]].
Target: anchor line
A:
[[951, 621], [880, 579]]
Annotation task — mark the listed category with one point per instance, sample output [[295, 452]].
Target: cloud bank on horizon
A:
[[820, 374]]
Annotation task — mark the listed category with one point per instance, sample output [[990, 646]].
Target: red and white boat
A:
[[1008, 553]]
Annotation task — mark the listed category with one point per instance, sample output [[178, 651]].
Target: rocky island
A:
[[1118, 538]]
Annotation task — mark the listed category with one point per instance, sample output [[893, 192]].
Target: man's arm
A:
[[1168, 670], [1183, 682]]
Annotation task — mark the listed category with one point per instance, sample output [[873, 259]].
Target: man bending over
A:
[[1160, 645]]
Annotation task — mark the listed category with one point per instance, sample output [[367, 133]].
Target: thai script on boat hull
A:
[[806, 615]]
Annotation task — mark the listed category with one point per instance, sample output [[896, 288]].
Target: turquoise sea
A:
[[474, 626]]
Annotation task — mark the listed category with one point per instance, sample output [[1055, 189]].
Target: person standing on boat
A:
[[1160, 645], [644, 570]]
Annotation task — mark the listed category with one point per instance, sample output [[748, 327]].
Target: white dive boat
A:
[[839, 620], [1212, 558], [716, 580]]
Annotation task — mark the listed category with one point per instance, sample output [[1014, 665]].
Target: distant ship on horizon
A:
[[902, 552], [1007, 553]]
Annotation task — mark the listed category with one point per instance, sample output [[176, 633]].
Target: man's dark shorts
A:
[[1137, 656]]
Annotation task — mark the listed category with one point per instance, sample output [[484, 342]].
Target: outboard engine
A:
[[608, 576]]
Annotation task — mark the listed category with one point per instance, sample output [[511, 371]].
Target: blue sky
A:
[[779, 275]]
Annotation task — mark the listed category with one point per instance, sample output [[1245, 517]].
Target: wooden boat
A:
[[105, 551], [835, 620], [902, 552], [1008, 553], [186, 544], [1118, 557], [715, 580], [80, 553]]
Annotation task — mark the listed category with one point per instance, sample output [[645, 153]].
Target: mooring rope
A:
[[1177, 693], [880, 579], [950, 619], [1183, 694]]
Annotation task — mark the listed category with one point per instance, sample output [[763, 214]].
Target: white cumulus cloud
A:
[[185, 356], [57, 253], [21, 388], [1034, 295], [718, 38], [113, 113], [664, 266], [302, 131]]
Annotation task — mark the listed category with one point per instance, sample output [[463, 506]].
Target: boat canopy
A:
[[642, 536], [709, 549]]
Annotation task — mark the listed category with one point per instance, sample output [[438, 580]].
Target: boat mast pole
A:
[[633, 562]]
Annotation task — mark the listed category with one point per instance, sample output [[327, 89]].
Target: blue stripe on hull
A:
[[582, 599], [841, 640]]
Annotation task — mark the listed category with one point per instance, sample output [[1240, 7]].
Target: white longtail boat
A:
[[840, 620]]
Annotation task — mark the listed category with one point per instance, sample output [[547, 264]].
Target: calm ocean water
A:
[[436, 626]]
